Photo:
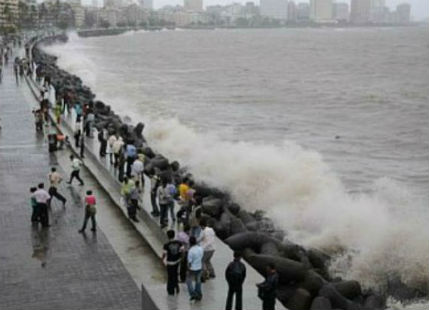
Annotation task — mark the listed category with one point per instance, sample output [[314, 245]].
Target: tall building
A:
[[340, 11], [378, 3], [303, 12], [276, 9], [193, 5], [403, 13], [292, 12], [8, 13], [78, 12], [360, 11], [321, 10]]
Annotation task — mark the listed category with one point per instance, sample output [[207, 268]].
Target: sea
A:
[[327, 130]]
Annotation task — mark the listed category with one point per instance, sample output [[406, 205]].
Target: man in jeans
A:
[[195, 257], [267, 290], [55, 180], [90, 211], [235, 275], [207, 241], [76, 163], [171, 257]]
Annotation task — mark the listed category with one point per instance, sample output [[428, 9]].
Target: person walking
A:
[[90, 212], [42, 197], [235, 275], [195, 257], [267, 289], [171, 257], [165, 194], [76, 164], [55, 179], [207, 242]]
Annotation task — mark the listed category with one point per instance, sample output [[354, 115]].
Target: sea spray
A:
[[371, 236]]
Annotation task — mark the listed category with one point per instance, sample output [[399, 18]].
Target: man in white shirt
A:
[[207, 242], [42, 198], [55, 179], [76, 163]]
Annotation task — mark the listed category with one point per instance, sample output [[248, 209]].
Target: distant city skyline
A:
[[419, 8]]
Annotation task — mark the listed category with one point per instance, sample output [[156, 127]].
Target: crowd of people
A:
[[174, 200]]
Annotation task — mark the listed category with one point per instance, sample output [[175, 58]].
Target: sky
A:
[[419, 8]]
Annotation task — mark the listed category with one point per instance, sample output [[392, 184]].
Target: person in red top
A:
[[90, 211]]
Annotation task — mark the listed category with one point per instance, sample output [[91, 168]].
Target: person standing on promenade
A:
[[35, 216], [183, 237], [110, 142], [137, 170], [117, 149], [103, 142], [55, 179], [165, 193], [155, 182], [126, 189], [267, 290], [171, 256], [131, 155], [16, 71], [133, 204], [90, 212], [195, 257], [42, 198], [207, 242], [76, 164], [235, 275], [77, 132]]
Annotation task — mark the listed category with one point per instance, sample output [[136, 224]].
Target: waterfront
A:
[[239, 94]]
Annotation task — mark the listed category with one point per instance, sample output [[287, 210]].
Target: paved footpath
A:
[[55, 268]]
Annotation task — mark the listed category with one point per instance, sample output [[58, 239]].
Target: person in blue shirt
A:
[[195, 257], [131, 155]]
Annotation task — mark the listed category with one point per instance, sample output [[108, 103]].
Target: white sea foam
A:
[[372, 235]]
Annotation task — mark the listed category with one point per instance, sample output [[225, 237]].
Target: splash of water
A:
[[370, 235]]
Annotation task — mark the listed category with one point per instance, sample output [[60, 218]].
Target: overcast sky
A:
[[419, 8]]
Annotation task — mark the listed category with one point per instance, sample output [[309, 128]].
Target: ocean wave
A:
[[371, 236]]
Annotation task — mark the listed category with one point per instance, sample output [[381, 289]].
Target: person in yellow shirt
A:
[[183, 189]]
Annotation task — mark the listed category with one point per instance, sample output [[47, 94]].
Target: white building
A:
[[276, 9], [146, 4], [321, 11]]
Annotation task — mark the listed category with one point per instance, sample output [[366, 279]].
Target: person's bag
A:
[[261, 291]]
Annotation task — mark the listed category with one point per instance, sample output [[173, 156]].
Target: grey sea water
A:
[[358, 96], [326, 129]]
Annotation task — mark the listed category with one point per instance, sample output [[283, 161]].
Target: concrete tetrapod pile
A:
[[304, 279]]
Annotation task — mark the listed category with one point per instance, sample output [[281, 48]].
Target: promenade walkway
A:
[[54, 268]]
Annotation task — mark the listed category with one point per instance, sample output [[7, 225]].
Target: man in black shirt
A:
[[235, 274], [267, 289], [171, 257]]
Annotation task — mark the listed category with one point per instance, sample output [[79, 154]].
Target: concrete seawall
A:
[[215, 290]]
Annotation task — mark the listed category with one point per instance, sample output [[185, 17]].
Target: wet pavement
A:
[[54, 268]]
